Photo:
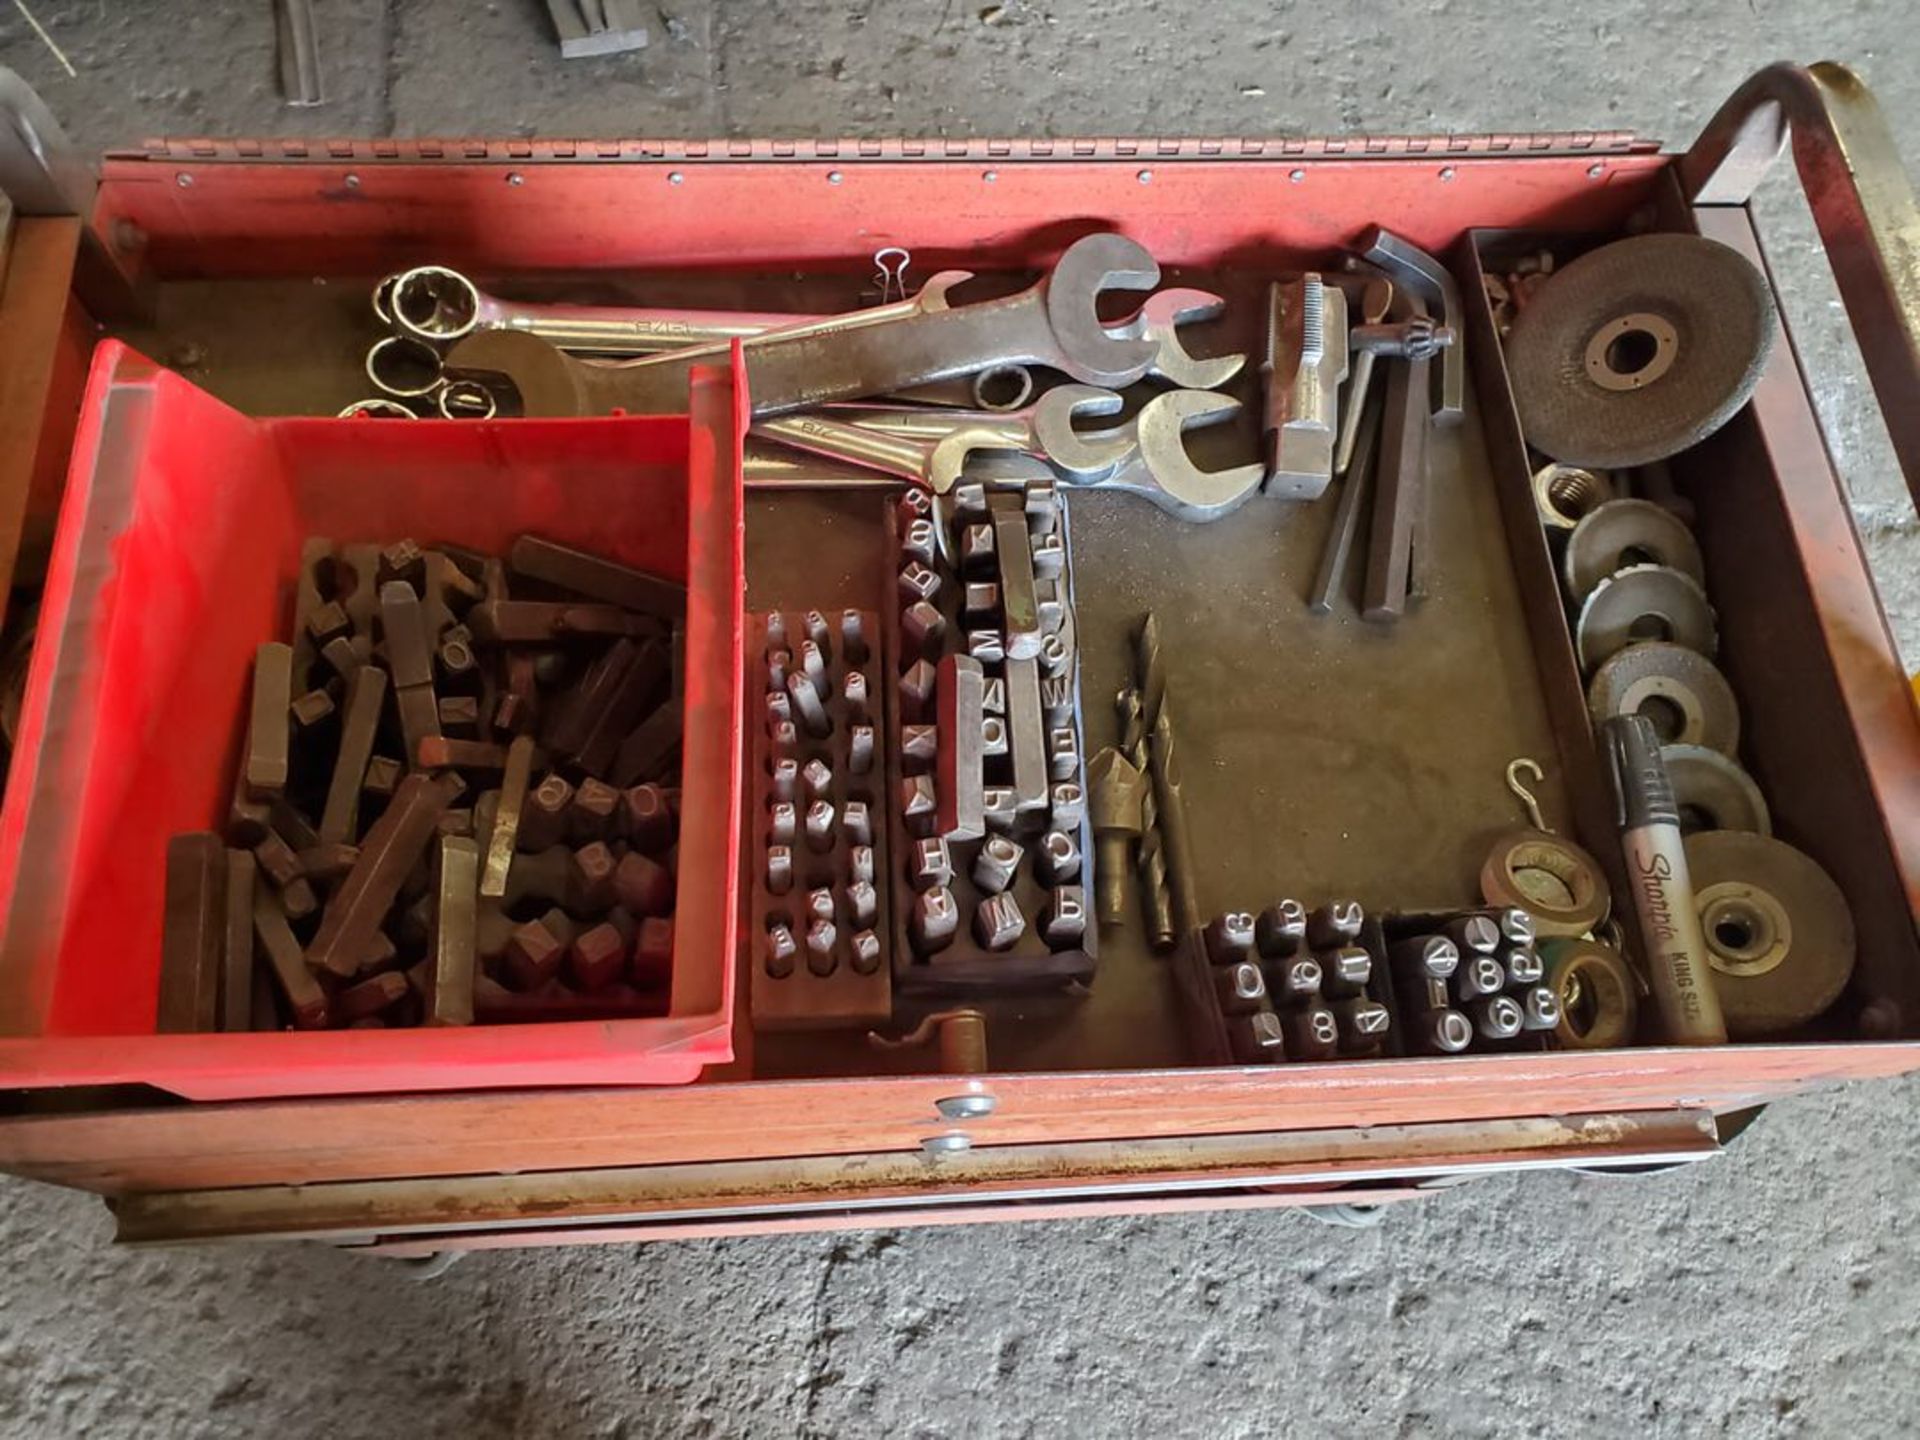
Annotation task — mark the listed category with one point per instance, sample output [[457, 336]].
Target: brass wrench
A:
[[887, 348]]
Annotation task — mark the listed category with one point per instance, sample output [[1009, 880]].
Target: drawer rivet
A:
[[674, 177], [951, 1143], [1296, 176], [1146, 177], [514, 177], [1594, 172], [353, 182], [1446, 172], [990, 176], [833, 177], [183, 180], [965, 1107]]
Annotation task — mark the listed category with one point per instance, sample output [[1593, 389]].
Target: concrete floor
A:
[[1771, 1292]]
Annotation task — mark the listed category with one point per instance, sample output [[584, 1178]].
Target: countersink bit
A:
[[1118, 789]]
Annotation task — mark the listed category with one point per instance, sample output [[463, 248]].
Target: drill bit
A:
[[1148, 674], [1178, 842], [1150, 863]]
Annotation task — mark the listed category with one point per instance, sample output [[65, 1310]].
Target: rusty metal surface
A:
[[471, 150], [645, 1232], [852, 1183]]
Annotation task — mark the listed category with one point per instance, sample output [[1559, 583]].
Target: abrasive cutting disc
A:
[[1643, 602], [1679, 690], [1639, 349], [1620, 533], [1779, 934], [1713, 792]]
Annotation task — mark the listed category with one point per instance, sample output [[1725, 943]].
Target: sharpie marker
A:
[[1649, 820]]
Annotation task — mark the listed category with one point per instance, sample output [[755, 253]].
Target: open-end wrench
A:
[[932, 451], [769, 466], [1055, 322], [932, 464], [766, 466], [1159, 319], [1160, 469], [1044, 429]]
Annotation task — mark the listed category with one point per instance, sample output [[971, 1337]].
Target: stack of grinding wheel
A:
[[1621, 360]]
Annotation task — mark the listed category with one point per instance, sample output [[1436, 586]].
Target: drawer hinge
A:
[[519, 151]]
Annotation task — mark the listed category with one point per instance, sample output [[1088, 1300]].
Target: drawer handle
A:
[[966, 1107]]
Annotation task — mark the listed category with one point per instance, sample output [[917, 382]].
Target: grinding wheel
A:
[[1643, 602], [1713, 792], [1779, 935], [1682, 692], [1628, 532], [1639, 349], [1599, 1002], [1551, 878]]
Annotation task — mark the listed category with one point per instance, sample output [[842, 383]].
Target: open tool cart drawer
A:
[[1325, 757]]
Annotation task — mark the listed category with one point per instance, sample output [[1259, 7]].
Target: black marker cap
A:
[[1643, 794]]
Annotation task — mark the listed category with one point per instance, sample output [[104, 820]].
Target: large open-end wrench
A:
[[887, 348], [932, 450], [1160, 470], [440, 305], [1159, 319]]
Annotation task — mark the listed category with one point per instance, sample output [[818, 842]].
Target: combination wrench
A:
[[887, 348], [1043, 431], [931, 448], [438, 305]]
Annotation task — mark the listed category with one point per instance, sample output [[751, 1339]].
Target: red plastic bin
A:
[[178, 545]]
